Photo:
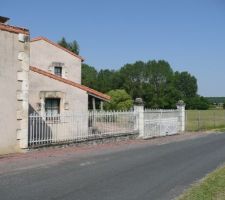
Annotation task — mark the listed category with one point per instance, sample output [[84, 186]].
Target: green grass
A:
[[212, 187], [205, 119]]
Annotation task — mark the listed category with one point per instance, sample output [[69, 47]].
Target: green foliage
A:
[[153, 81], [72, 46], [216, 100], [224, 105], [89, 76], [186, 83], [197, 103], [107, 80], [120, 100]]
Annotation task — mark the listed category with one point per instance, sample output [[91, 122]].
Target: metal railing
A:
[[160, 122], [45, 130]]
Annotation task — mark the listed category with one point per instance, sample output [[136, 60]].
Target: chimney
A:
[[4, 20]]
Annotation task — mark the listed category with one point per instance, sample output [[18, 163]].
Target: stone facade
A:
[[46, 55], [14, 67], [73, 100]]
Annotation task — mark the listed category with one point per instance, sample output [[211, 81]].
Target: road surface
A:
[[124, 172]]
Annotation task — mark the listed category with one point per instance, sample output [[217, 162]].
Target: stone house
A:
[[14, 67], [55, 88], [55, 80], [37, 76]]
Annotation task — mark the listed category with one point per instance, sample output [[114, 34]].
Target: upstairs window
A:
[[58, 71], [52, 106]]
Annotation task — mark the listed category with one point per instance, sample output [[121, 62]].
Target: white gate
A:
[[160, 123]]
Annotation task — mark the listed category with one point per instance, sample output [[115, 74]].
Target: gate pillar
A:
[[139, 109], [181, 115]]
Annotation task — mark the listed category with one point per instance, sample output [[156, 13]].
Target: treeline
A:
[[154, 81], [216, 100]]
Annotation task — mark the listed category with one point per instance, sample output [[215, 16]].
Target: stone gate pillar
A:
[[181, 115], [139, 109]]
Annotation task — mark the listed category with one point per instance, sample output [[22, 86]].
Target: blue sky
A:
[[189, 34]]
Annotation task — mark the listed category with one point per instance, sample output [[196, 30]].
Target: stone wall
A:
[[14, 67]]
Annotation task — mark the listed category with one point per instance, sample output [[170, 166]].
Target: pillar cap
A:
[[180, 103], [138, 102]]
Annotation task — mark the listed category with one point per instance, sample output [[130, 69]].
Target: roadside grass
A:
[[212, 187], [197, 120]]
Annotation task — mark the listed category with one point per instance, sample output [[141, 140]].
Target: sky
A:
[[189, 34]]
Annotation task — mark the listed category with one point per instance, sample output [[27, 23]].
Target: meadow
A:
[[197, 120]]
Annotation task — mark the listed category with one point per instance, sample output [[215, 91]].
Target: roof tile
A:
[[13, 29], [69, 82]]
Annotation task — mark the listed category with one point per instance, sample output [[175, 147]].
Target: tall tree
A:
[[154, 81], [89, 76], [159, 77], [72, 46], [132, 76], [186, 84], [107, 80]]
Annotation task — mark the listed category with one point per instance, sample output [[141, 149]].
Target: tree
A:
[[132, 76], [71, 46], [186, 84], [224, 105], [153, 81], [197, 103], [89, 76], [107, 80], [120, 100], [159, 77]]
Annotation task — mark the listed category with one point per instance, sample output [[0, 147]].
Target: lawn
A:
[[212, 187], [204, 119]]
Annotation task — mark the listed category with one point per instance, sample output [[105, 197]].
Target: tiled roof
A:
[[13, 29], [68, 82], [57, 45]]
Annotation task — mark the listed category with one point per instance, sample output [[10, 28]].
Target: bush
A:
[[120, 100]]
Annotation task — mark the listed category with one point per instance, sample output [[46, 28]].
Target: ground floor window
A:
[[52, 106]]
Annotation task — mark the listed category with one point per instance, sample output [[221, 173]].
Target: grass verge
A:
[[212, 187]]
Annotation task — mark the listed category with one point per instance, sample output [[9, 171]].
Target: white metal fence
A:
[[44, 130], [160, 122]]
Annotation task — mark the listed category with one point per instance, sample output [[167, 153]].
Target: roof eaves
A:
[[69, 82], [14, 29]]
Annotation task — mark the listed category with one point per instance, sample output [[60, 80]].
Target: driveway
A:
[[131, 170]]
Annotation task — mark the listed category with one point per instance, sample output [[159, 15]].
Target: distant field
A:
[[204, 119]]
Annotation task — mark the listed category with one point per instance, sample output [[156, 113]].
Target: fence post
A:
[[139, 109], [181, 115]]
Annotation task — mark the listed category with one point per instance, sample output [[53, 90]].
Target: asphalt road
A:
[[137, 173]]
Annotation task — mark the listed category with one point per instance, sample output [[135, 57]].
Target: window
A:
[[52, 106], [58, 71]]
